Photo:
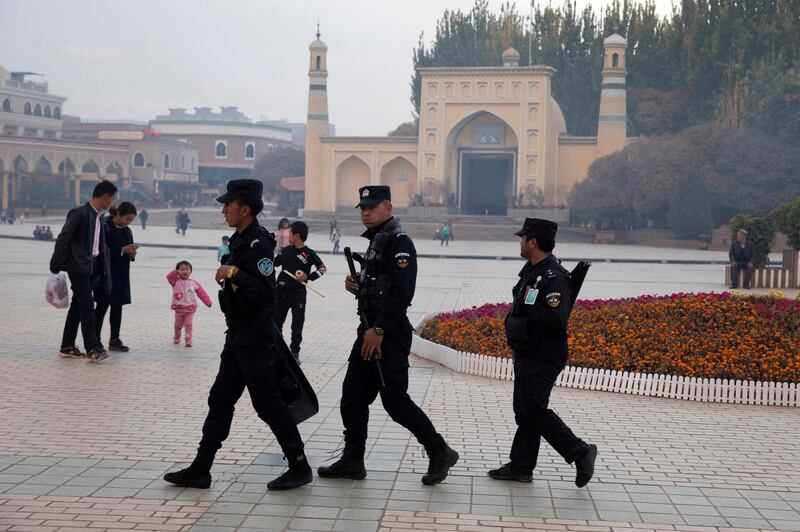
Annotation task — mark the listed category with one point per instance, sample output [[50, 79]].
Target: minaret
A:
[[317, 122], [612, 128]]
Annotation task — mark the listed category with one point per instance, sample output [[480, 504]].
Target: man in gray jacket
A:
[[80, 250]]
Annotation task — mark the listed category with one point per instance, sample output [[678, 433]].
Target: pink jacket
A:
[[185, 293]]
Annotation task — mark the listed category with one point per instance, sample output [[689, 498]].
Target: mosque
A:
[[487, 136]]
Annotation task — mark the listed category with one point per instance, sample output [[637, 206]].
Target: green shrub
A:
[[787, 217]]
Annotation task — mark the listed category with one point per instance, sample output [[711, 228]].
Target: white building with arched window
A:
[[228, 142]]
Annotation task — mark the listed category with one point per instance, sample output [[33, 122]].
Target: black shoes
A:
[[70, 352], [189, 478], [585, 466], [440, 463], [97, 354], [350, 465], [509, 472], [117, 345], [293, 478]]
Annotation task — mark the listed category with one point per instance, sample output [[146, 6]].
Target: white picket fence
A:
[[672, 386]]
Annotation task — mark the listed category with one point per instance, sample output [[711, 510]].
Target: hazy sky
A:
[[132, 59]]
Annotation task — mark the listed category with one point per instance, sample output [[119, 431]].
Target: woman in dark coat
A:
[[122, 252]]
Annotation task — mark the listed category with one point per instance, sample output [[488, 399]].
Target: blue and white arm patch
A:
[[266, 267]]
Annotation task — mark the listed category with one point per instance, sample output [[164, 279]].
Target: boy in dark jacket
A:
[[80, 250], [296, 259]]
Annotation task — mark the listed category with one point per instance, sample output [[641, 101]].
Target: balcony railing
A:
[[27, 85]]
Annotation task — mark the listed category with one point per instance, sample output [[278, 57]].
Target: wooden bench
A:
[[787, 275]]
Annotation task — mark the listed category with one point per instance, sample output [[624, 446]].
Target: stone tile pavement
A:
[[84, 446]]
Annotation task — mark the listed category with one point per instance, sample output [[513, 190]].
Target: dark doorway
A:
[[486, 181]]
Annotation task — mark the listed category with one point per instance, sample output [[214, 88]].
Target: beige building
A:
[[489, 138]]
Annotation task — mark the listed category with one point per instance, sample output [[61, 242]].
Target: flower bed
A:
[[693, 335]]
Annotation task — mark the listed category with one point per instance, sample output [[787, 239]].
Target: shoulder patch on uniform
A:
[[402, 259], [553, 299], [551, 274], [266, 267], [254, 242]]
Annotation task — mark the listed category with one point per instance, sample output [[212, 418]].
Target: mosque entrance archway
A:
[[486, 181], [482, 162]]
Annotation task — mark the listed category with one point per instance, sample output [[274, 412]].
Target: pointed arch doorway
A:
[[484, 151]]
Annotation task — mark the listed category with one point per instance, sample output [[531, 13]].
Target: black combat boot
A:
[[585, 466], [350, 465], [115, 344], [298, 474], [197, 475], [510, 472], [189, 478], [442, 458]]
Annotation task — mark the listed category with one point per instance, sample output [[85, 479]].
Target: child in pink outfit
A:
[[185, 292]]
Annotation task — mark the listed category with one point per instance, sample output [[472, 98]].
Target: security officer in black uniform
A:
[[378, 363], [249, 358], [536, 331]]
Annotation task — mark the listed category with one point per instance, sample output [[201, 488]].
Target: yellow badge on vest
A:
[[553, 299]]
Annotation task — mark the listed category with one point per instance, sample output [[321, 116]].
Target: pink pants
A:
[[183, 320]]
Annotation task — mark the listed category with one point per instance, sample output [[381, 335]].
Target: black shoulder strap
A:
[[577, 277]]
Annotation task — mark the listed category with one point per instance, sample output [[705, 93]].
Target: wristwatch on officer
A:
[[378, 331]]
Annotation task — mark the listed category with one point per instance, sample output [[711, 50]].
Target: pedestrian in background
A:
[[143, 216], [284, 233], [185, 292], [334, 224], [121, 252], [223, 249], [296, 261], [337, 238], [80, 250]]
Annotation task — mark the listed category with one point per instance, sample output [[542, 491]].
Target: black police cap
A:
[[249, 190], [373, 194], [538, 228]]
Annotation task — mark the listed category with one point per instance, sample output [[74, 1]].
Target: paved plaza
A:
[[85, 446]]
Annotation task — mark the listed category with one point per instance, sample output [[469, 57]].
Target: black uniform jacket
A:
[[541, 308], [390, 280], [248, 297]]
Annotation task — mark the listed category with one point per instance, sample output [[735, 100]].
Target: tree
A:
[[279, 162], [689, 213], [787, 218], [740, 172], [709, 60], [406, 129]]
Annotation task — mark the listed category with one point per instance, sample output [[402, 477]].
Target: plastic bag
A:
[[56, 292]]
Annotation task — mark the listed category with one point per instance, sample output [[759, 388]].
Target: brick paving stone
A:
[[106, 467]]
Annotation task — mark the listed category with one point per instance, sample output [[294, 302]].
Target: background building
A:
[[161, 169], [228, 143], [490, 138], [37, 166]]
